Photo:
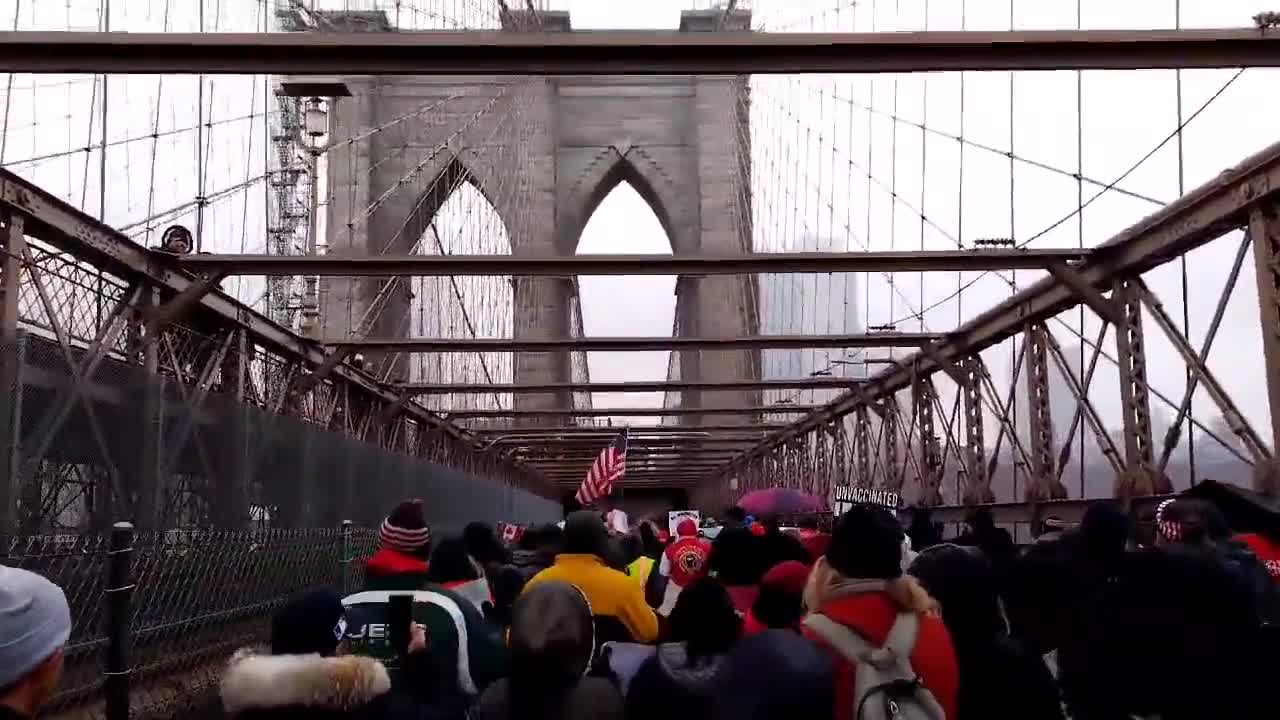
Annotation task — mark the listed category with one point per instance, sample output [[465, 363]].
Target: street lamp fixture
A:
[[316, 118]]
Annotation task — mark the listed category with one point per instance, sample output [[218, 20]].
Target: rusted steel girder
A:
[[1198, 217], [1044, 483], [977, 488], [806, 383], [637, 344], [1135, 396], [627, 412], [634, 52], [923, 397], [1264, 228], [569, 265]]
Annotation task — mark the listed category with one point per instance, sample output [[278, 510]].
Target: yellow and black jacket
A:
[[615, 598]]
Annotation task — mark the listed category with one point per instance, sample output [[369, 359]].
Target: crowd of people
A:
[[861, 619]]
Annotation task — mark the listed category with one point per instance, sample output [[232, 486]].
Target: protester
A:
[[552, 646], [1192, 521], [651, 537], [537, 549], [617, 602], [466, 652], [35, 623], [1267, 549], [1000, 679], [404, 546], [739, 559], [815, 541], [454, 567], [858, 591], [1174, 635], [639, 566], [780, 604], [307, 676], [772, 675], [485, 548], [994, 541], [923, 532], [685, 560], [680, 680]]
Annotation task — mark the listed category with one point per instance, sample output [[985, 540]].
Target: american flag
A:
[[609, 466]]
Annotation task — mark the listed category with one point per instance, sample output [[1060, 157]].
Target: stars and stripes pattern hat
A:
[[405, 529]]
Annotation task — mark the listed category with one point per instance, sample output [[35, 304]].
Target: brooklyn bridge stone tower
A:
[[560, 144]]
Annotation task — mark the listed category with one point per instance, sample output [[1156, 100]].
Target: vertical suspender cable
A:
[[1080, 231], [8, 92], [1182, 259], [102, 163]]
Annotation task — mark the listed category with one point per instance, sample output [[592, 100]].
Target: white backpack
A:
[[885, 685]]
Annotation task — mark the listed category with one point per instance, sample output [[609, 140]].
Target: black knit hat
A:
[[405, 529], [867, 543], [584, 533], [312, 622]]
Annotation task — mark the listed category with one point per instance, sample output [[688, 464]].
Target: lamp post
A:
[[315, 127]]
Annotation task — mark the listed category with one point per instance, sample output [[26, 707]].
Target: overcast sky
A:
[[814, 147]]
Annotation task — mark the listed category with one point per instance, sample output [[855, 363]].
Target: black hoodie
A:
[[552, 644], [671, 684]]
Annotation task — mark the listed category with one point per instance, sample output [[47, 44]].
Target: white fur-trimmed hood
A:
[[254, 681]]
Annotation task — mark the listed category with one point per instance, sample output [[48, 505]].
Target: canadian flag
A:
[[511, 533]]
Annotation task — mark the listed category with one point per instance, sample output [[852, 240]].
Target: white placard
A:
[[676, 516], [617, 521], [847, 496]]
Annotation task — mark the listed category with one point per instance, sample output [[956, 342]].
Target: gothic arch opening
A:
[[623, 216], [457, 216]]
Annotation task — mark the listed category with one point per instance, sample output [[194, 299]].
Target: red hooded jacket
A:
[[685, 560], [871, 615]]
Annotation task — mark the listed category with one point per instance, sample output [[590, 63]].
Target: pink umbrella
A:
[[779, 501]]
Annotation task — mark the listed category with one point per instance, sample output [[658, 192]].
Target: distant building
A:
[[796, 304]]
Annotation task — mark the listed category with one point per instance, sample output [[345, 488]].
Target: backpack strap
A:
[[901, 640], [848, 643]]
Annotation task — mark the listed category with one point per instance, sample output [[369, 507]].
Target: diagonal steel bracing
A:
[[1233, 199]]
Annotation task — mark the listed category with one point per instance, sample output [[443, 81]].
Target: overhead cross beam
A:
[[549, 265], [637, 344], [627, 412], [807, 383], [609, 432], [643, 52]]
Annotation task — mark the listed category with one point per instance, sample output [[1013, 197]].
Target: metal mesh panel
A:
[[99, 441], [196, 596]]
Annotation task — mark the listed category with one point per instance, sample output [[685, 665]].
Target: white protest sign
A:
[[617, 521], [675, 516], [847, 496]]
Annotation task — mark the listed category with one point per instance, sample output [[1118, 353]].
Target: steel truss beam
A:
[[638, 344], [570, 265], [807, 383], [649, 443], [1229, 201], [630, 412], [757, 430], [629, 52], [352, 395]]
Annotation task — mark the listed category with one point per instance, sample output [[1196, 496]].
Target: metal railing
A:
[[155, 615]]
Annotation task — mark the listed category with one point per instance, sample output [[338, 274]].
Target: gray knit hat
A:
[[34, 622]]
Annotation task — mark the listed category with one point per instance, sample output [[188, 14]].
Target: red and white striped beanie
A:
[[405, 529]]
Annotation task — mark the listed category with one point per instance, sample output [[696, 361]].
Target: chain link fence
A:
[[155, 615], [87, 440]]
